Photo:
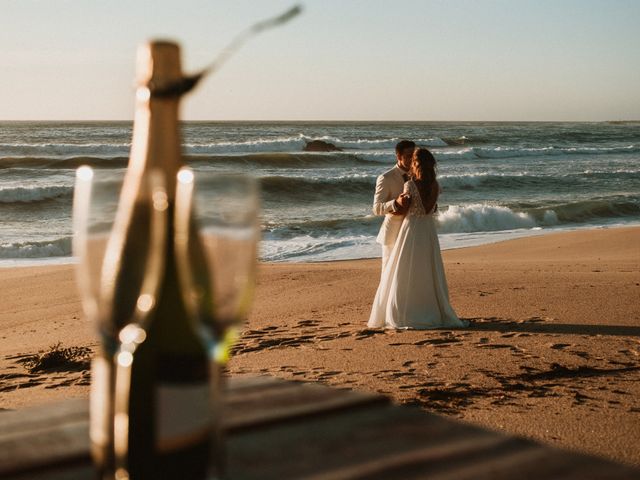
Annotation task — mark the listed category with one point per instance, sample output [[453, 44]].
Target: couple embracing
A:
[[413, 289]]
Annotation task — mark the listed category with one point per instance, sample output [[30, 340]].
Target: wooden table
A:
[[281, 429]]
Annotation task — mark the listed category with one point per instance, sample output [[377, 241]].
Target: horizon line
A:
[[328, 121]]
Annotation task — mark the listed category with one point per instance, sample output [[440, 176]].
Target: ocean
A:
[[499, 180]]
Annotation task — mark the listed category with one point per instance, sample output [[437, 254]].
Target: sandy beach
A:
[[552, 353]]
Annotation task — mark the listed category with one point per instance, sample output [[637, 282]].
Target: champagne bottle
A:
[[169, 399]]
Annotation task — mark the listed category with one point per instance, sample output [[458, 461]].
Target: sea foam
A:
[[59, 247], [482, 218]]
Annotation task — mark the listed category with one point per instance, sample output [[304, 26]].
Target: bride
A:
[[413, 290]]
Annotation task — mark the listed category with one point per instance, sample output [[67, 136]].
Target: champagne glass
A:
[[95, 241], [95, 201], [217, 232]]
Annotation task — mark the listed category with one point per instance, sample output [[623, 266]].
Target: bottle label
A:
[[183, 415], [99, 404]]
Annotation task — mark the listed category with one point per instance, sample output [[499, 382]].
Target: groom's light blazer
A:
[[388, 186]]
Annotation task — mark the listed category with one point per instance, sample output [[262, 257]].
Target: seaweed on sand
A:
[[58, 359]]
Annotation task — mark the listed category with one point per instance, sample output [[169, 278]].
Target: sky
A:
[[383, 60]]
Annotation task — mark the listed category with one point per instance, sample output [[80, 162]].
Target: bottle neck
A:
[[156, 140]]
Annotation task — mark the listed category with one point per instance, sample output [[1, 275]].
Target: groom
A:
[[387, 200]]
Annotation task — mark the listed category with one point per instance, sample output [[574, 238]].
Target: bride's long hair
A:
[[423, 166]]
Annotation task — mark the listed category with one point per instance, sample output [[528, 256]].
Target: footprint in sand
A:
[[331, 373], [252, 334], [624, 364], [584, 355], [32, 382], [334, 336], [495, 345], [366, 333], [629, 352], [528, 369], [308, 323], [534, 320], [11, 376], [408, 387], [402, 374], [580, 398], [620, 392]]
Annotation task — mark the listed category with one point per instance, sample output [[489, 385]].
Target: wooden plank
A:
[[77, 409], [290, 402], [327, 446], [418, 459], [282, 429], [43, 416], [58, 434], [66, 444], [404, 443], [83, 471], [541, 462], [236, 384]]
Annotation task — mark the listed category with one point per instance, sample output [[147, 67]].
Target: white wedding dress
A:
[[413, 289]]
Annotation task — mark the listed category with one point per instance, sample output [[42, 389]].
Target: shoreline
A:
[[553, 352], [511, 235]]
